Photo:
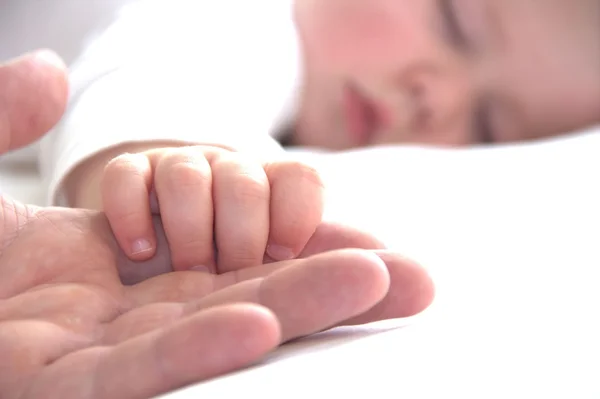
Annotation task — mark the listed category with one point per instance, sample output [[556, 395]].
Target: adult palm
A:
[[71, 328]]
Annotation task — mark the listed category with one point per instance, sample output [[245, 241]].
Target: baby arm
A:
[[137, 87]]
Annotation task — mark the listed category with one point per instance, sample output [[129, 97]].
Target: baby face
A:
[[447, 72]]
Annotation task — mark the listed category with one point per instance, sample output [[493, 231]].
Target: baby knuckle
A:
[[187, 173], [250, 186], [124, 164], [303, 172], [126, 216]]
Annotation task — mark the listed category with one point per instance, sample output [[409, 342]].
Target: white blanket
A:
[[512, 237]]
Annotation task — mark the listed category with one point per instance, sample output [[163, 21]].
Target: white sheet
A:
[[512, 236]]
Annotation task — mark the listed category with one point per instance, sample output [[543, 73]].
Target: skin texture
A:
[[447, 72], [220, 209], [78, 319], [33, 96], [70, 328]]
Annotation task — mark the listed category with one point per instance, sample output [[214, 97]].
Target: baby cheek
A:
[[367, 37]]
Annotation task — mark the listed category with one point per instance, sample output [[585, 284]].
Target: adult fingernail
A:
[[203, 269], [140, 246], [278, 252]]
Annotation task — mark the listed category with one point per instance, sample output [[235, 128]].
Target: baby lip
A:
[[360, 114], [378, 117]]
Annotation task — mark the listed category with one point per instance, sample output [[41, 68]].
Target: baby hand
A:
[[220, 210]]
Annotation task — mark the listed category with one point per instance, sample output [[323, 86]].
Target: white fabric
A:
[[144, 70], [511, 236], [67, 27], [179, 70]]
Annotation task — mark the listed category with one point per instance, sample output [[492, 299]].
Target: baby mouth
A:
[[364, 118], [359, 115]]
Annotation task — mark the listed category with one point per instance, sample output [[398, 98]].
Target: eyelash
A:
[[482, 128], [452, 27]]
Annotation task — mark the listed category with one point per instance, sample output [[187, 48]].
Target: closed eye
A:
[[482, 125], [452, 26]]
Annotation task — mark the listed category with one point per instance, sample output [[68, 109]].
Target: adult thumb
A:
[[33, 96]]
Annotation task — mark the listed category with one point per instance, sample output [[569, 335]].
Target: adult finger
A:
[[183, 185], [196, 348], [33, 97], [241, 201], [314, 293], [125, 187], [330, 236], [307, 295], [411, 291], [296, 207]]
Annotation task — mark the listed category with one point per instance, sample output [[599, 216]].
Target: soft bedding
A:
[[512, 237]]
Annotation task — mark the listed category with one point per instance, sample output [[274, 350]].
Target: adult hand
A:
[[70, 328], [33, 96]]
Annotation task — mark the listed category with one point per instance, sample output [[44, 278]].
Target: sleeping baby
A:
[[238, 80]]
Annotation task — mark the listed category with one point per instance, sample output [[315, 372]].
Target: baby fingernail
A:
[[278, 252], [140, 246], [203, 269]]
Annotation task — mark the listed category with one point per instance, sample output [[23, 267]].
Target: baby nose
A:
[[436, 98]]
